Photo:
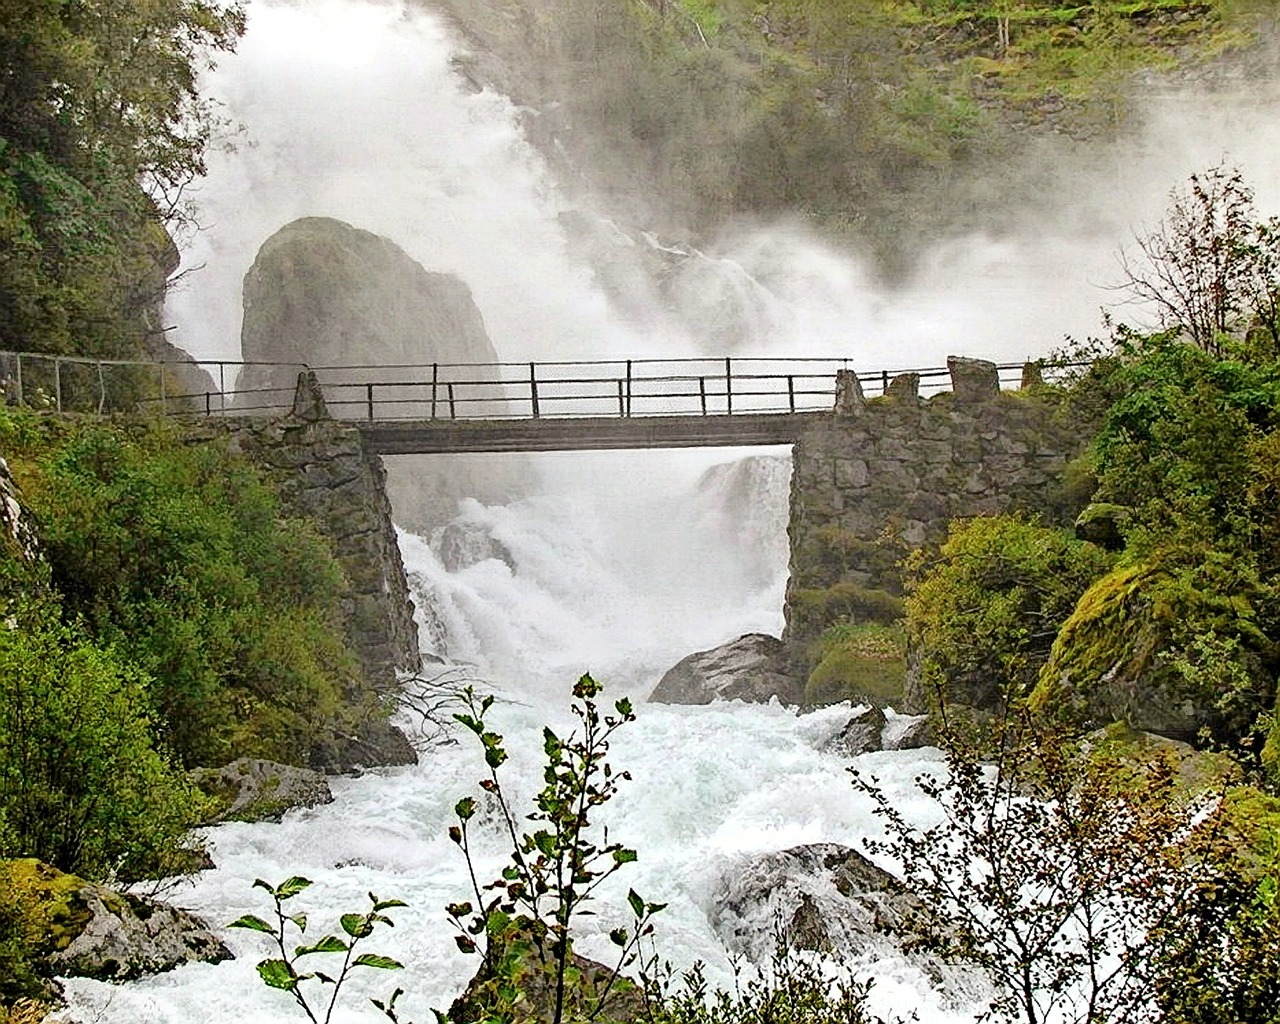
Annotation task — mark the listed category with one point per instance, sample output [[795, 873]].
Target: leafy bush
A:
[[178, 556], [82, 785], [984, 613]]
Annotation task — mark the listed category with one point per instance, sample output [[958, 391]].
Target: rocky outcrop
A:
[[86, 930], [251, 789], [861, 734], [322, 293], [822, 897], [749, 668]]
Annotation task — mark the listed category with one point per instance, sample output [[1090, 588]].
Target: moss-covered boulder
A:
[[251, 789], [1170, 646], [74, 928], [862, 663]]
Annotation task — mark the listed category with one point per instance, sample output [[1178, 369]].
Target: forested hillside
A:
[[883, 121], [101, 130]]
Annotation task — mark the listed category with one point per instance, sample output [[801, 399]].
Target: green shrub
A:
[[82, 785], [983, 615], [177, 554]]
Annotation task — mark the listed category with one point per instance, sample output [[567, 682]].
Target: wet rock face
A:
[[821, 897], [749, 668], [323, 293]]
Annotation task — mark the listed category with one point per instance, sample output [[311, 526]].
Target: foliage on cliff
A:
[[178, 556], [101, 129], [866, 116]]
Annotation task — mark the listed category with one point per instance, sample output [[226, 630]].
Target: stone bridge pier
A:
[[883, 477]]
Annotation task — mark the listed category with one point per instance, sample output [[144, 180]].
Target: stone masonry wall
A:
[[323, 472], [885, 476]]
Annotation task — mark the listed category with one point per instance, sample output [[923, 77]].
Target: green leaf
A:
[[386, 904], [623, 708], [376, 960], [637, 904], [329, 944], [255, 923], [624, 856], [465, 808], [301, 921], [465, 944], [278, 974], [355, 925], [618, 936], [290, 887]]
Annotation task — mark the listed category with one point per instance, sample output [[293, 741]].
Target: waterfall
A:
[[618, 564]]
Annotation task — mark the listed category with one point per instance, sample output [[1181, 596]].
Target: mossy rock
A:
[[859, 663], [1104, 524], [50, 910], [74, 928], [1117, 657]]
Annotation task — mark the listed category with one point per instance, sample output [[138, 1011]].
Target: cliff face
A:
[[322, 293]]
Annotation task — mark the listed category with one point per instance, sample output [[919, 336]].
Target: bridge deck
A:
[[580, 433]]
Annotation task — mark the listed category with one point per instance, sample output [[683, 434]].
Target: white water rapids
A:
[[616, 564]]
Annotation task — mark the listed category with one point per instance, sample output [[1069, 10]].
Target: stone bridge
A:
[[872, 479]]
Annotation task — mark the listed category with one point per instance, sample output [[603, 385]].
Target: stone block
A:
[[973, 380], [851, 473]]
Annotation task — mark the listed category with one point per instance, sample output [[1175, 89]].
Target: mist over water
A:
[[618, 564]]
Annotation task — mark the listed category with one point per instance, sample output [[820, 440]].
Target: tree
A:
[[1095, 887], [1208, 267]]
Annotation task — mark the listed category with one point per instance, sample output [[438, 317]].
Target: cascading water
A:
[[618, 564]]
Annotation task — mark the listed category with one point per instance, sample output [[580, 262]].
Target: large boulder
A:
[[821, 897], [251, 789], [750, 668], [1160, 646], [82, 929], [323, 293]]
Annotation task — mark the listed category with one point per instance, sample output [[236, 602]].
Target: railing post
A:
[[622, 399], [702, 393], [435, 380], [884, 382], [728, 386], [222, 389], [57, 381], [628, 412], [368, 397], [453, 411], [791, 392], [208, 404], [533, 388]]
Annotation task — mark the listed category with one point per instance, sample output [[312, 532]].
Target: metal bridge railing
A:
[[456, 391]]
